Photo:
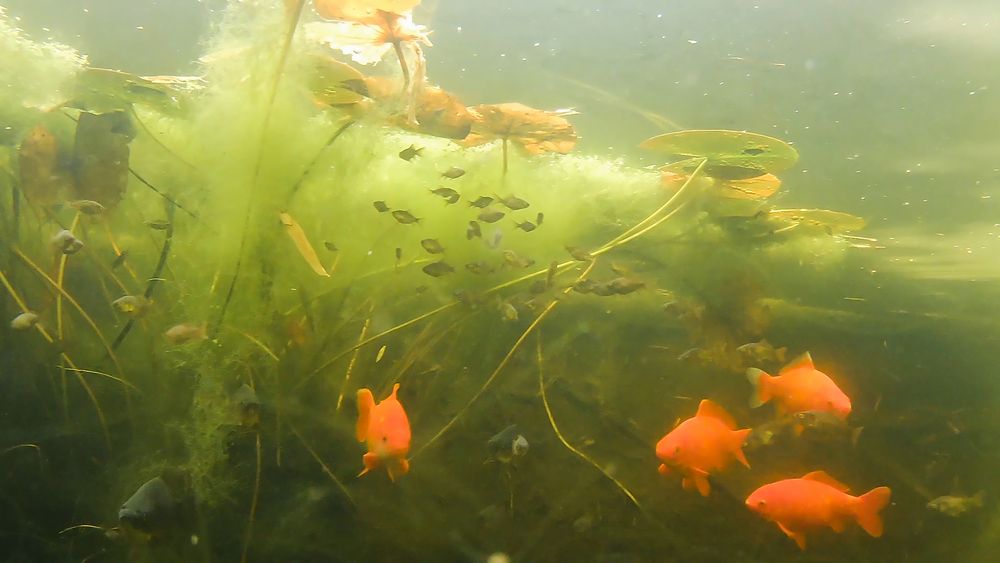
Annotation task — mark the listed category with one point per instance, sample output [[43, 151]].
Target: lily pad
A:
[[732, 155], [833, 222], [103, 90]]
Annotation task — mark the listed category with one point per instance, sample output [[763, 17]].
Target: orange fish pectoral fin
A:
[[823, 477], [838, 524], [740, 438], [867, 510], [397, 469], [799, 537], [371, 461], [713, 410], [663, 469], [759, 379], [366, 402], [700, 479]]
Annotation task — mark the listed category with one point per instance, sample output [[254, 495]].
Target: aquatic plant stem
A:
[[326, 469], [48, 338], [398, 48], [60, 274], [253, 504], [504, 144], [503, 363], [294, 13], [354, 359], [76, 305], [562, 439]]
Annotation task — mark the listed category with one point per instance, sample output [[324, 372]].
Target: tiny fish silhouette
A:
[[473, 231], [410, 152], [491, 215], [432, 246], [453, 173], [438, 269], [380, 206], [404, 217], [512, 202], [481, 202]]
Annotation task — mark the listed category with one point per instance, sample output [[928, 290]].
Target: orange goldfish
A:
[[816, 500], [799, 387], [702, 444], [387, 430]]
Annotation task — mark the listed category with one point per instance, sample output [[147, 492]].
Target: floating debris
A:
[[66, 243], [432, 246], [512, 202], [539, 218], [507, 445], [473, 231], [186, 332], [380, 206], [481, 202], [404, 217], [438, 269], [453, 173], [24, 321], [302, 244], [330, 246], [410, 152], [491, 215]]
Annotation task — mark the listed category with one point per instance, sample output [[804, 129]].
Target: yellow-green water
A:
[[888, 107]]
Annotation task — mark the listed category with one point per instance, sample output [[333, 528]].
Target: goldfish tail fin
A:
[[868, 508], [740, 438], [366, 402], [758, 378]]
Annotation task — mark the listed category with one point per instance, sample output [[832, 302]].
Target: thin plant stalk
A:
[[354, 359]]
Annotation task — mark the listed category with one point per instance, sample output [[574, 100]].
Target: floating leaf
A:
[[361, 10], [302, 244], [732, 155], [103, 90], [757, 189], [38, 161], [833, 222], [101, 157], [536, 131]]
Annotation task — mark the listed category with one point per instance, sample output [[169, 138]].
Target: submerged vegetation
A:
[[207, 278]]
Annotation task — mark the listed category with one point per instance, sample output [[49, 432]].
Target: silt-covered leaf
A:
[[732, 155], [101, 157]]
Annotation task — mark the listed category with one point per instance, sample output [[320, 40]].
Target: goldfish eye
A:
[[761, 503], [677, 450], [385, 439]]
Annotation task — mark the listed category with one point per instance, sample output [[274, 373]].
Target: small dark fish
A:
[[512, 202], [410, 152], [550, 276], [432, 245], [624, 286], [507, 445], [479, 268], [491, 215], [763, 351], [420, 289], [956, 505], [473, 231], [132, 305], [449, 195], [538, 287], [186, 332], [512, 259], [508, 312], [330, 246], [453, 173], [579, 254], [404, 217], [380, 206], [481, 202], [119, 260], [65, 242], [87, 207], [526, 226], [584, 286], [159, 225], [399, 254], [468, 298], [151, 509], [539, 218], [437, 269]]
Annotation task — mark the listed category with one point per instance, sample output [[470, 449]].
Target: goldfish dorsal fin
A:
[[713, 410], [800, 362], [823, 477]]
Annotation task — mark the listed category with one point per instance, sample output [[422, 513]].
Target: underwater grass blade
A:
[[293, 13], [60, 274], [354, 359], [157, 140], [322, 465], [155, 278], [76, 305], [562, 439], [248, 535], [305, 172], [165, 197]]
